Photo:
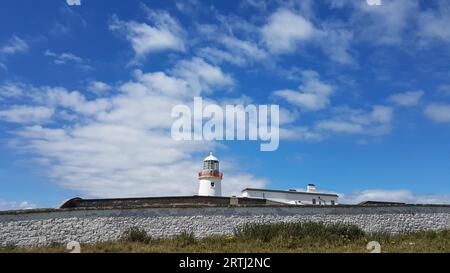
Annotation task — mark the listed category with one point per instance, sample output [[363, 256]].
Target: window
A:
[[211, 165], [314, 201], [212, 184], [332, 202]]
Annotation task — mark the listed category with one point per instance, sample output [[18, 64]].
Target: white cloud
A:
[[73, 2], [3, 66], [63, 57], [232, 24], [98, 87], [404, 196], [188, 6], [444, 89], [399, 21], [164, 34], [355, 121], [67, 57], [299, 133], [260, 5], [287, 116], [285, 30], [335, 42], [433, 23], [438, 112], [218, 56], [411, 98], [339, 126], [57, 98], [312, 95], [289, 131], [201, 76], [245, 49], [13, 46], [385, 24], [10, 90], [14, 205], [75, 101], [124, 148], [26, 114], [229, 48], [147, 102], [382, 114]]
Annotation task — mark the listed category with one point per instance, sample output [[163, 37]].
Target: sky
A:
[[87, 88]]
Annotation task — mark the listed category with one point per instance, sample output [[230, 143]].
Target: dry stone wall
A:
[[39, 228]]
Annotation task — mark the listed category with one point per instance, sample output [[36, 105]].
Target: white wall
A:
[[205, 188], [291, 197]]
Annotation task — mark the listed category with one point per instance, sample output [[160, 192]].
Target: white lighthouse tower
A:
[[210, 177]]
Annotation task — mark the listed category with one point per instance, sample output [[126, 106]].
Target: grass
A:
[[279, 237], [297, 234], [136, 235]]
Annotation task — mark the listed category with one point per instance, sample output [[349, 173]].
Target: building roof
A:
[[210, 157], [291, 191], [380, 203], [165, 201]]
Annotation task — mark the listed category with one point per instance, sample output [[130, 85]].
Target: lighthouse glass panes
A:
[[211, 165]]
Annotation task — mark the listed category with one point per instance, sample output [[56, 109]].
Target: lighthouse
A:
[[210, 178]]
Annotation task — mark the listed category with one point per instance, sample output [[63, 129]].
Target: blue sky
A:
[[86, 90]]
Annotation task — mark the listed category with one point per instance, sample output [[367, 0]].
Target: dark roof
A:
[[271, 204], [381, 203], [165, 201], [289, 191]]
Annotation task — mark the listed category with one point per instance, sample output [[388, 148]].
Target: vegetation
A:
[[136, 235], [296, 234], [280, 237]]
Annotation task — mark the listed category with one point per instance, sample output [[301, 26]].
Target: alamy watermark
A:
[[229, 122]]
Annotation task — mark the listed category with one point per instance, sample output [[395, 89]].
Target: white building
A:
[[210, 178], [309, 197]]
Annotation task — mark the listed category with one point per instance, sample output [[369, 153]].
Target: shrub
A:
[[56, 244], [8, 248], [136, 235], [185, 239]]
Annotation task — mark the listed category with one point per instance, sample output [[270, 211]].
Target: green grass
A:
[[280, 237], [297, 234]]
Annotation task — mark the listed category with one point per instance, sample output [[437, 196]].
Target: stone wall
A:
[[42, 227]]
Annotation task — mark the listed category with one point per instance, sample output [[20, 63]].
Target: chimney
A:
[[311, 188]]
